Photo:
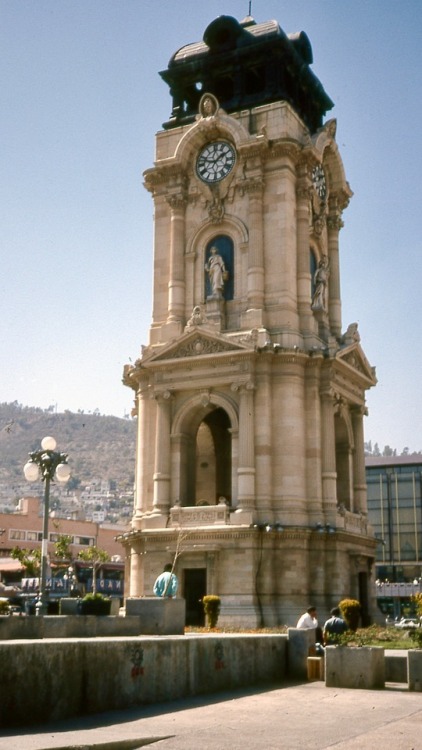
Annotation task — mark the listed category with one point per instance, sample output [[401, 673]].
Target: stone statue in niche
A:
[[217, 273], [321, 276]]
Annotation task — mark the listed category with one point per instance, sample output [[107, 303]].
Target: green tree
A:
[[94, 557], [62, 548], [30, 559]]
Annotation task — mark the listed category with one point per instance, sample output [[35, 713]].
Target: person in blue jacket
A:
[[166, 584]]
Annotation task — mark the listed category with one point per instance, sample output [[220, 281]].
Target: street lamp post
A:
[[46, 464]]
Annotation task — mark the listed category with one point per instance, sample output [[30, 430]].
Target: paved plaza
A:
[[292, 717]]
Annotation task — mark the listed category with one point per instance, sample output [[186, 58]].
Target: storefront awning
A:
[[10, 565]]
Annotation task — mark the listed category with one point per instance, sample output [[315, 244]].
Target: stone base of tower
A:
[[266, 576]]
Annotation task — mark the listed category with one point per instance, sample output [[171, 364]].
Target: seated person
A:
[[334, 627]]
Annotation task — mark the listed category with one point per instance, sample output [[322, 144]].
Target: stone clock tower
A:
[[250, 396]]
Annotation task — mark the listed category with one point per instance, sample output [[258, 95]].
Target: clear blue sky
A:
[[81, 100]]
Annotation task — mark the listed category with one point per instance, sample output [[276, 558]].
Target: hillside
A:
[[99, 447]]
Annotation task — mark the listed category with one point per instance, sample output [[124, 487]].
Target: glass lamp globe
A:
[[31, 471], [48, 444], [63, 472]]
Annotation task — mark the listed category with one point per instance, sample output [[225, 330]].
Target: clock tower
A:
[[250, 395]]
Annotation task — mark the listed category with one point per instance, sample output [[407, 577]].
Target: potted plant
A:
[[212, 605], [95, 604], [350, 610]]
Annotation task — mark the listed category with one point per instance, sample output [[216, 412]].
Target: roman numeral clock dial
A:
[[215, 161]]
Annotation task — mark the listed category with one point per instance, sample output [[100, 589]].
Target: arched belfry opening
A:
[[213, 459], [202, 455], [344, 465], [249, 395]]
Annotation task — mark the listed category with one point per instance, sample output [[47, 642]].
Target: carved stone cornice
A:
[[284, 148], [158, 178]]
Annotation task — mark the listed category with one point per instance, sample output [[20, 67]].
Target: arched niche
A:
[[203, 438], [344, 457], [196, 254]]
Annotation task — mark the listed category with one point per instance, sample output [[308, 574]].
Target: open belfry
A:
[[250, 395]]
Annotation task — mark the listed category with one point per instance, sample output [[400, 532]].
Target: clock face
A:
[[215, 161], [318, 178]]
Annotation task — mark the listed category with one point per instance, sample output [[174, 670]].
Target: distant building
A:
[[23, 529], [395, 512]]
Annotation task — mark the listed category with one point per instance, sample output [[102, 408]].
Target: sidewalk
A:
[[292, 717]]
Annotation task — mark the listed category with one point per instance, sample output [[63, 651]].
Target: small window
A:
[[84, 541], [17, 534], [34, 536]]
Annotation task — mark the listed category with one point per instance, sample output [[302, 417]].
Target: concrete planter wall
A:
[[414, 670], [355, 667], [158, 616], [68, 626], [300, 643], [44, 681]]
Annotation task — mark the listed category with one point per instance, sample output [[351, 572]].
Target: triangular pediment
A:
[[197, 343], [353, 356]]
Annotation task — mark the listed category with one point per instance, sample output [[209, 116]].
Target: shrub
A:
[[95, 604], [4, 606], [212, 606], [417, 598], [350, 610]]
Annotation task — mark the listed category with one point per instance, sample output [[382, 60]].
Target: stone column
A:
[[161, 477], [304, 282], [176, 284], [334, 224], [329, 474], [263, 434], [359, 474], [286, 265], [136, 570], [140, 495], [255, 189], [313, 440], [289, 441], [246, 468]]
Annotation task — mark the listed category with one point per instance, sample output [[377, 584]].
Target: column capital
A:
[[243, 387], [163, 396], [254, 186], [304, 190], [177, 201], [334, 221]]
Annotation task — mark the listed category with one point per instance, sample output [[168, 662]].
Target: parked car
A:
[[408, 622]]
